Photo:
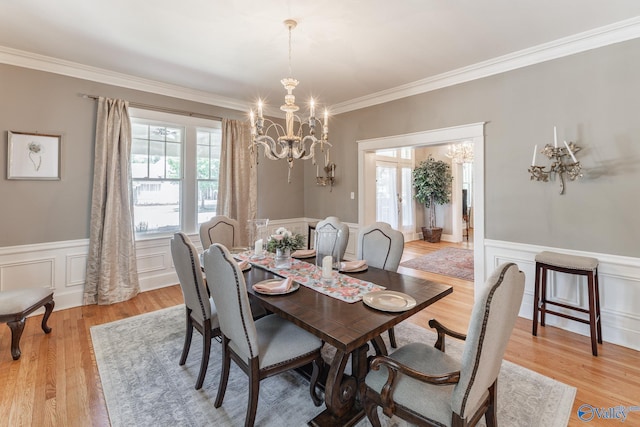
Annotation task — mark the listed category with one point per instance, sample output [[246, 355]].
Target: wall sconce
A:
[[563, 161], [329, 178]]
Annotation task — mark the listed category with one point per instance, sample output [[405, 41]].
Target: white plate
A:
[[355, 270], [303, 256], [389, 301], [294, 287]]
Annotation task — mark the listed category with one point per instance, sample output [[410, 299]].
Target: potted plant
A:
[[432, 183], [283, 242]]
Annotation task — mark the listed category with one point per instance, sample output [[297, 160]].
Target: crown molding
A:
[[73, 69], [592, 39]]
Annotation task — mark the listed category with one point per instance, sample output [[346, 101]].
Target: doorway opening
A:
[[367, 186]]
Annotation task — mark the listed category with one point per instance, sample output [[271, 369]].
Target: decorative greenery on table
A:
[[284, 239], [432, 182]]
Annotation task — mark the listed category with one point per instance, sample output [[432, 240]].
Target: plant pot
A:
[[432, 235]]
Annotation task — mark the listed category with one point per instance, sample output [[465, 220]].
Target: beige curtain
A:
[[111, 267], [237, 188]]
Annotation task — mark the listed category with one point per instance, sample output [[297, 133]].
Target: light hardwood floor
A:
[[56, 382]]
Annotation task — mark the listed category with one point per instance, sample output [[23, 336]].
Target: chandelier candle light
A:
[[288, 142], [560, 162]]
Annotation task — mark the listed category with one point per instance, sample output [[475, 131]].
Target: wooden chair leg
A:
[[206, 350], [491, 416], [187, 339], [48, 309], [16, 333], [224, 374], [371, 410], [254, 391], [543, 296], [392, 338]]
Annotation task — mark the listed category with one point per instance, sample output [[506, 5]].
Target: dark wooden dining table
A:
[[348, 327]]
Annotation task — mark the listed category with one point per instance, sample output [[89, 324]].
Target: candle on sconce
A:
[[535, 150], [555, 138], [327, 266], [258, 248], [570, 152], [253, 121], [312, 108], [259, 108], [326, 117]]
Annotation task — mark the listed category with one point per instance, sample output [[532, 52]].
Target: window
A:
[[208, 167], [174, 168]]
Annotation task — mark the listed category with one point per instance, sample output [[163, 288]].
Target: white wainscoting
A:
[[61, 266], [619, 282]]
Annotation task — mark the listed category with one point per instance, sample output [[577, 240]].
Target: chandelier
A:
[[289, 142], [461, 153]]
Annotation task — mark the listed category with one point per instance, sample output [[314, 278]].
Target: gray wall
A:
[[594, 100], [49, 211]]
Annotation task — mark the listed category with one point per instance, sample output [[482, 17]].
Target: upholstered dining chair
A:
[[382, 247], [261, 348], [200, 310], [220, 229], [333, 223], [426, 386]]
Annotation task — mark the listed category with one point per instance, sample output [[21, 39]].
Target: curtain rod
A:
[[162, 109]]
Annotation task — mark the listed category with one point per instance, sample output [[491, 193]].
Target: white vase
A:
[[283, 258]]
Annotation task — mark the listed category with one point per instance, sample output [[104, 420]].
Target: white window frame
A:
[[189, 191]]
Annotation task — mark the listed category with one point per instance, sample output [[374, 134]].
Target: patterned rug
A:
[[144, 385], [452, 262]]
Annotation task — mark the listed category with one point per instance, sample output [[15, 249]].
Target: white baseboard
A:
[[61, 266]]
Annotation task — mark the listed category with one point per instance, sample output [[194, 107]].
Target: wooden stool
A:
[[16, 305], [570, 264]]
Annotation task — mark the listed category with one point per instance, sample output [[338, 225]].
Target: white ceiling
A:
[[342, 49]]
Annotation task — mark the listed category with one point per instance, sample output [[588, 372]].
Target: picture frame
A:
[[33, 156]]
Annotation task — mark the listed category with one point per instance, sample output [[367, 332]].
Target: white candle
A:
[[555, 137], [569, 150], [258, 247], [327, 266], [312, 109], [533, 161], [259, 108], [253, 122], [326, 117]]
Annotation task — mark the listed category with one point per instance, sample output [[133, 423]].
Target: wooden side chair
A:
[[16, 305], [382, 247], [200, 310], [426, 386], [342, 229], [261, 348], [220, 229]]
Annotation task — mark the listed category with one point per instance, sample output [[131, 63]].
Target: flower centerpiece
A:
[[282, 243]]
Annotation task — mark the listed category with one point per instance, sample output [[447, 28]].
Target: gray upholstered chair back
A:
[[187, 265], [381, 246], [220, 229], [229, 292], [494, 314], [333, 223]]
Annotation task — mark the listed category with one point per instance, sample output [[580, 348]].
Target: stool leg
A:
[[592, 314], [48, 308], [598, 317], [543, 294], [536, 299], [16, 327]]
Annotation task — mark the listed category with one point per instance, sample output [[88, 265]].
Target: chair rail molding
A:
[[619, 278]]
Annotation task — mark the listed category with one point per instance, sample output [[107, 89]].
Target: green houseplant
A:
[[432, 183]]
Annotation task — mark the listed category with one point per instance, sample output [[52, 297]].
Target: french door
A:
[[394, 201]]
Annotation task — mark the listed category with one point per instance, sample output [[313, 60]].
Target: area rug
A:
[[452, 262], [144, 385]]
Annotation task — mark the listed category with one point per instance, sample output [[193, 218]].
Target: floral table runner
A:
[[344, 288]]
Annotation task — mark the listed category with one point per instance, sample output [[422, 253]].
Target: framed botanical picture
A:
[[33, 156]]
